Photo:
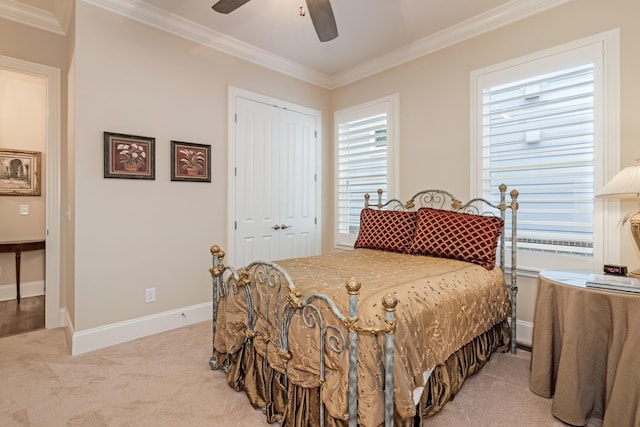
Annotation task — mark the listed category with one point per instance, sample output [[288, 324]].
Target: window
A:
[[538, 135], [540, 126], [365, 156]]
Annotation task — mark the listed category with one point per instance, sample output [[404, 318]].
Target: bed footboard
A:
[[268, 321]]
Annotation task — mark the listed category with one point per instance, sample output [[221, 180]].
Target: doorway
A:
[[50, 78]]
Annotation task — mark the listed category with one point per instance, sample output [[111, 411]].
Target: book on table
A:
[[614, 283]]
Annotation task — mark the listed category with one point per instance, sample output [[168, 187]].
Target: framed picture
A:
[[19, 172], [129, 156], [190, 162]]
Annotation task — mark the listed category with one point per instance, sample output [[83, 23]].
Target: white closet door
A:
[[275, 197], [297, 185], [257, 182]]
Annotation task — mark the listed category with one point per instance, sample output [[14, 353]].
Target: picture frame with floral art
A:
[[129, 156], [20, 172], [190, 162]]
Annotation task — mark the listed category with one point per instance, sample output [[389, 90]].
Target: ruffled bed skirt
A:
[[300, 407]]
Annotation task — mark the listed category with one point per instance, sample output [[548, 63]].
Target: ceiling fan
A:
[[320, 12]]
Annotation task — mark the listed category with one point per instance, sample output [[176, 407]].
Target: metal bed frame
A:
[[261, 282]]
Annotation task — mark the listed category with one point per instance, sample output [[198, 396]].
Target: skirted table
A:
[[586, 351]]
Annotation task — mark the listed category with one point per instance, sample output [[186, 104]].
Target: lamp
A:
[[626, 185]]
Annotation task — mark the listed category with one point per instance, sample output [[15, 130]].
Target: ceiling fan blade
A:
[[323, 20], [227, 6]]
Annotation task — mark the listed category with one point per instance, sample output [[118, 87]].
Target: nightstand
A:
[[586, 347]]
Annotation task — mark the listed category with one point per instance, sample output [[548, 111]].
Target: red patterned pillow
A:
[[457, 235], [386, 230]]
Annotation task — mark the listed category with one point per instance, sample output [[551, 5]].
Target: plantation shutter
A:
[[362, 167], [538, 136]]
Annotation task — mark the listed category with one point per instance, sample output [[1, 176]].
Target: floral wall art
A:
[[129, 156], [190, 162]]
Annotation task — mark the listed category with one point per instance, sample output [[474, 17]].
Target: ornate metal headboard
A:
[[440, 199], [436, 199]]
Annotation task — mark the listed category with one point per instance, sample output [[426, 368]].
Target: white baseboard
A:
[[117, 333], [524, 332], [27, 289]]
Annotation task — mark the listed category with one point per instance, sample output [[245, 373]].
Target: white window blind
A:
[[538, 136], [547, 124], [364, 161], [362, 167]]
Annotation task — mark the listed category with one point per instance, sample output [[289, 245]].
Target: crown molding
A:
[[508, 13], [179, 26], [29, 15], [64, 13]]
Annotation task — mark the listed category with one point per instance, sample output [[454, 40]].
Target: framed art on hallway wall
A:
[[129, 156], [19, 172]]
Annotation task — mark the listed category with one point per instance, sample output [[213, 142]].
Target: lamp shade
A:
[[625, 185]]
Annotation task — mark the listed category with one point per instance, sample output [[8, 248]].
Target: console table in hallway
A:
[[17, 247]]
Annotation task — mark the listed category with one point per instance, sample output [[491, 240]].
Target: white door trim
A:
[[231, 213], [53, 314]]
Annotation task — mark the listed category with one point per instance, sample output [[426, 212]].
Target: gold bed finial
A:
[[389, 302], [353, 286], [514, 199], [216, 251]]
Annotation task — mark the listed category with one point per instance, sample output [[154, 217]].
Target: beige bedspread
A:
[[443, 305]]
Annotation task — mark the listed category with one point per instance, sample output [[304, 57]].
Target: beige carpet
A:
[[165, 380]]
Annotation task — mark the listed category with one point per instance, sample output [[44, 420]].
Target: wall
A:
[[434, 99], [22, 127], [135, 234]]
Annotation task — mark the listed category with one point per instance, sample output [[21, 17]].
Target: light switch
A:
[[24, 209]]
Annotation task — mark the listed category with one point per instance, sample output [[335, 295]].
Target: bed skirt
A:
[[295, 406]]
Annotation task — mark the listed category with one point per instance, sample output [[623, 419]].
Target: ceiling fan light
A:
[[320, 12]]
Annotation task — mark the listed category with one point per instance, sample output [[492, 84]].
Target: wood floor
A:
[[17, 318]]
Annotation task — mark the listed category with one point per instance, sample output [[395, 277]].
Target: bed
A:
[[384, 334]]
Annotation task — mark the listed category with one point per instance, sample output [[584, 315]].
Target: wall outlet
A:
[[149, 295], [24, 209]]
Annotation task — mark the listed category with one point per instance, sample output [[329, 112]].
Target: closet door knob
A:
[[284, 227], [276, 227]]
